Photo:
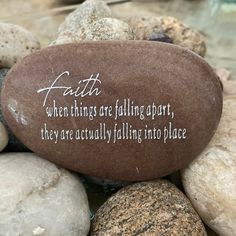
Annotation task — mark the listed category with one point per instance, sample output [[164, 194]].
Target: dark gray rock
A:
[[14, 145]]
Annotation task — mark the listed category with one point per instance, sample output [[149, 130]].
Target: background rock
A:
[[145, 28], [108, 29], [209, 181], [148, 208], [15, 43], [77, 21], [40, 199], [3, 137], [229, 84]]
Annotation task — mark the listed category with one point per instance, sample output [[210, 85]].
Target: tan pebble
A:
[[145, 27], [15, 43]]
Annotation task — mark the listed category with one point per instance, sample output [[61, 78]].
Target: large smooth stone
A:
[[209, 181], [147, 73], [148, 208], [38, 198]]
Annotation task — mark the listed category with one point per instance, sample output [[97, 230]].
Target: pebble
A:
[[229, 84], [148, 208], [108, 29], [3, 137], [123, 71], [14, 145], [15, 43], [209, 181], [37, 198], [78, 21], [146, 28]]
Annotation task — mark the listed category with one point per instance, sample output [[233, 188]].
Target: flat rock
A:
[[123, 110], [209, 181], [40, 199], [3, 136], [13, 145], [149, 27], [148, 208], [75, 24], [15, 43]]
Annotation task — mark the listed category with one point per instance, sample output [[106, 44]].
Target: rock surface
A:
[[116, 145], [145, 28], [13, 143], [37, 198], [15, 43], [3, 136], [108, 29], [148, 208], [76, 22], [209, 181]]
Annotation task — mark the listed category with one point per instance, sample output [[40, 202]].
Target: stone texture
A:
[[13, 143], [76, 22], [127, 69], [3, 137], [148, 208], [209, 181], [15, 43], [37, 198], [145, 28], [108, 29]]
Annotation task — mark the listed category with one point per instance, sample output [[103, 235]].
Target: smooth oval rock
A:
[[3, 136], [123, 110], [148, 208], [209, 181], [37, 198], [15, 43]]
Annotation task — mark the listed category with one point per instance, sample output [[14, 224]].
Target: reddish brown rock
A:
[[154, 86]]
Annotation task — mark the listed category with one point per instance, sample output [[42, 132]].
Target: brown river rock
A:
[[116, 110]]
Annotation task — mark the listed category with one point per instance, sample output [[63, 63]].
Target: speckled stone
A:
[[209, 181], [145, 28], [38, 198], [148, 208], [13, 143], [108, 29], [3, 136], [15, 43], [77, 21]]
